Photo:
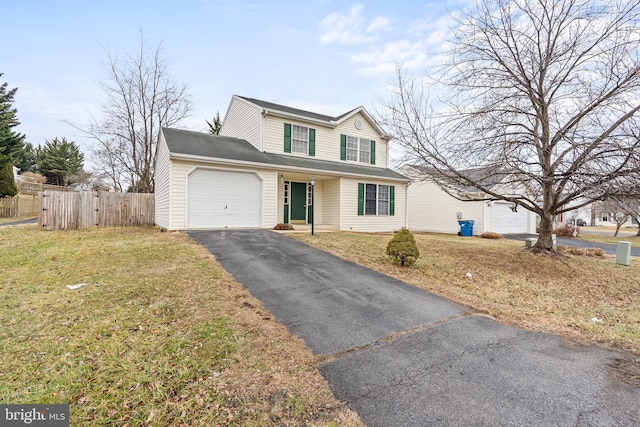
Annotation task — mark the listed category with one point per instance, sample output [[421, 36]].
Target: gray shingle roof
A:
[[488, 177], [290, 110], [221, 147]]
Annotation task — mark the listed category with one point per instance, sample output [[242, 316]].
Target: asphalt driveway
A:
[[400, 356]]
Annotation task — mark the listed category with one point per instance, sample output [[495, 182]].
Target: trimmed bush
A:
[[566, 230], [282, 226], [402, 248], [491, 235]]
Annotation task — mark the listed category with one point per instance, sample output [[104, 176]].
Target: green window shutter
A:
[[360, 198], [392, 203], [373, 152], [287, 138], [343, 147], [312, 142]]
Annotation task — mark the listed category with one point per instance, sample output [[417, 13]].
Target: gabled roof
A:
[[488, 177], [283, 110], [270, 106], [190, 144]]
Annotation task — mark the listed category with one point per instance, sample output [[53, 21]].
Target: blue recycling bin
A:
[[466, 227]]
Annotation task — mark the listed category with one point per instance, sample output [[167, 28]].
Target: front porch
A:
[[305, 199]]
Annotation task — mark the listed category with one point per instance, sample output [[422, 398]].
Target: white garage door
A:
[[504, 220], [220, 199]]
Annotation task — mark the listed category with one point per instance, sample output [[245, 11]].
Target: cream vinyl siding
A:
[[244, 121], [331, 202], [327, 146], [182, 168], [162, 183], [351, 221], [431, 209], [318, 200]]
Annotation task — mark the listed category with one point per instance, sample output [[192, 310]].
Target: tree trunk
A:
[[617, 230], [545, 241], [638, 234]]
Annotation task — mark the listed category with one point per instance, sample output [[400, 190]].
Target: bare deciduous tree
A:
[[617, 212], [620, 210], [141, 98], [544, 92]]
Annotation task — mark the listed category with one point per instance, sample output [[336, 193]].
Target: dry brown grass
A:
[[161, 335], [559, 295]]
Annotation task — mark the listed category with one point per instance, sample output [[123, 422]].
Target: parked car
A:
[[577, 222]]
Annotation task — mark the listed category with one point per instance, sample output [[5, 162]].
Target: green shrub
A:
[[402, 247]]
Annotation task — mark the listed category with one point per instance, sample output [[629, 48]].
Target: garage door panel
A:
[[504, 220], [220, 199]]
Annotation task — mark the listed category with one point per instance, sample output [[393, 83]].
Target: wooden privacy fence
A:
[[18, 206], [84, 209], [34, 188]]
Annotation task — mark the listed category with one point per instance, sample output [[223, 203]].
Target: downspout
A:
[[406, 205], [262, 125]]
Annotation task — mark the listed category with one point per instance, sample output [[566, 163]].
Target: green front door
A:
[[298, 201]]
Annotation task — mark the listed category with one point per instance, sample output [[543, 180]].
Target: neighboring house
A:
[[601, 218], [433, 209], [258, 172], [17, 178]]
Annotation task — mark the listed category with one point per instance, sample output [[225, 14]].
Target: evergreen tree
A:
[[11, 143], [59, 161], [7, 183], [214, 128], [403, 248]]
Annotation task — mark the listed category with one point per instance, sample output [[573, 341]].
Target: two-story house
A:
[[274, 164]]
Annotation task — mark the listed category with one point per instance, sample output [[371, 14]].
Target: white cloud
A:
[[415, 45], [351, 28], [381, 60], [379, 23]]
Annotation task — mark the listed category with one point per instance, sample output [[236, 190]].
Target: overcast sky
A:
[[325, 56]]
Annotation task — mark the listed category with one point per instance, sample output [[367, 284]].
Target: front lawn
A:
[[160, 335], [581, 298]]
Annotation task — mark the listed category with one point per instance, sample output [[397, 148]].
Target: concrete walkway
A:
[[400, 356]]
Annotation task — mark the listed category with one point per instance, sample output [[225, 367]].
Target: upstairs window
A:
[[356, 149], [299, 139], [352, 148], [365, 151]]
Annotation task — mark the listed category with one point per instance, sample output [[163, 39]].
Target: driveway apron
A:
[[400, 356]]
